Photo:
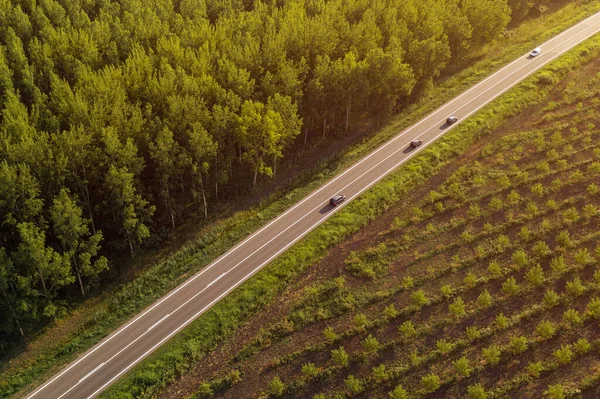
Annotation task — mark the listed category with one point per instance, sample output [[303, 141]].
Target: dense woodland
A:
[[119, 119]]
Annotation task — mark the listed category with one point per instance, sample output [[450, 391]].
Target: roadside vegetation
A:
[[103, 314], [485, 285]]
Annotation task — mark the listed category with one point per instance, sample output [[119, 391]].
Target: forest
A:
[[121, 119]]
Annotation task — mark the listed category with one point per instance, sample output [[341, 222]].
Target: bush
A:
[[419, 299], [583, 257], [572, 318], [558, 265], [330, 334], [555, 392], [594, 307], [430, 382], [582, 346], [360, 321], [380, 374], [472, 333], [510, 286], [535, 275], [457, 308], [492, 354], [575, 287], [485, 300], [407, 329], [520, 258], [545, 329], [501, 321], [535, 369], [444, 346], [494, 269], [476, 391], [470, 280], [463, 367], [370, 344], [551, 298], [354, 385], [276, 387], [563, 355], [204, 391], [390, 312], [340, 357], [518, 344], [540, 249], [309, 370], [399, 393]]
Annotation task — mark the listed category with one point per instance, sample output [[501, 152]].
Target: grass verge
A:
[[111, 310]]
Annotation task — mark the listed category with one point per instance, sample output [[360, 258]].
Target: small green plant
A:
[[571, 215], [518, 344], [430, 382], [555, 392], [501, 321], [540, 249], [444, 346], [340, 357], [513, 198], [495, 269], [484, 300], [563, 355], [583, 257], [575, 287], [582, 346], [558, 265], [545, 329], [354, 385], [360, 322], [330, 334], [534, 369], [457, 308], [594, 307], [476, 391], [495, 204], [525, 234], [572, 318], [390, 312], [276, 387], [370, 344], [447, 290], [380, 373], [204, 390], [535, 276], [419, 299], [309, 369], [472, 333], [520, 258], [537, 189], [463, 367], [474, 211], [407, 329], [592, 189], [470, 280], [492, 354], [510, 286], [551, 298], [398, 393]]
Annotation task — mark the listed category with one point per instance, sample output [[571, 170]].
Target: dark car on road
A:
[[416, 143], [451, 120], [337, 199]]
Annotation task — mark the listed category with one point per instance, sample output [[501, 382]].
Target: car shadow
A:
[[408, 149], [326, 209], [445, 126]]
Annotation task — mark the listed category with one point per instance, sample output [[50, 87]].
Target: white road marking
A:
[[92, 372], [158, 322], [217, 279], [307, 198]]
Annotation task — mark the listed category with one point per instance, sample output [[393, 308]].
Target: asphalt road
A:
[[102, 365]]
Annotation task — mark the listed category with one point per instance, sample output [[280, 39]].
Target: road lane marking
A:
[[336, 178], [217, 279], [92, 372], [158, 322]]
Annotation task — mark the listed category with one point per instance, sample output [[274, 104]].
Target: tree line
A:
[[119, 119]]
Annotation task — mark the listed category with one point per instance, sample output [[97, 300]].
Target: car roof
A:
[[337, 196]]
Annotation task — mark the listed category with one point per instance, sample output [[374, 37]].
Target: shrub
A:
[[444, 346], [463, 367], [583, 257], [204, 390], [340, 357], [552, 204], [408, 282], [470, 280], [563, 355], [407, 329], [555, 392], [540, 249], [574, 287], [519, 258], [535, 369], [494, 269], [571, 215], [390, 311], [551, 298], [276, 387], [495, 204], [545, 329], [582, 346], [590, 211], [430, 382], [467, 236], [542, 167], [399, 393], [380, 374], [484, 300], [502, 243], [501, 321], [592, 189], [510, 286], [594, 307], [558, 265], [354, 385], [518, 344], [492, 354], [474, 211], [457, 308], [513, 198], [419, 298], [476, 391], [309, 369], [572, 317], [360, 322], [447, 290], [525, 233], [532, 208], [472, 333], [370, 344], [330, 334], [537, 189], [535, 275]]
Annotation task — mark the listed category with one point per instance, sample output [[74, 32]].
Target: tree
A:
[[128, 207], [276, 387], [78, 246], [202, 150], [399, 393], [487, 17], [340, 357]]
